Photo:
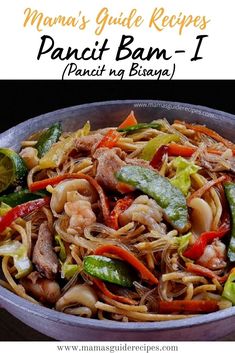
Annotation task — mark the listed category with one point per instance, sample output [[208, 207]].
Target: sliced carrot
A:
[[129, 121], [119, 298], [205, 130], [110, 139], [130, 258], [42, 184], [205, 187], [203, 271], [124, 188], [188, 306]]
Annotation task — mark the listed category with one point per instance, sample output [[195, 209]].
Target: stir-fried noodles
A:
[[128, 223]]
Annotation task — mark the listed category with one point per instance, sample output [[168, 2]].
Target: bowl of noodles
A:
[[117, 222]]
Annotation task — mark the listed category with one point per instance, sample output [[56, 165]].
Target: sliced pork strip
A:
[[109, 162], [44, 257], [88, 143]]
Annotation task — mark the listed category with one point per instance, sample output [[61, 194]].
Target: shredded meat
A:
[[109, 162], [87, 143], [44, 256]]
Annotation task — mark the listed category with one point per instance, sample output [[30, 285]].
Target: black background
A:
[[21, 100]]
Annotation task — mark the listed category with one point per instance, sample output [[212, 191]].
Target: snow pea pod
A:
[[161, 190], [17, 198], [109, 270], [48, 138], [139, 127], [229, 288]]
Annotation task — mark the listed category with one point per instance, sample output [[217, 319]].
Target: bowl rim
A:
[[200, 109], [12, 299]]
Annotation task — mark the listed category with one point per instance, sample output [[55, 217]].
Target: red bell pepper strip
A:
[[205, 130], [203, 271], [129, 121], [121, 206], [197, 249], [21, 211], [42, 184], [206, 187], [188, 306], [110, 139], [130, 258], [119, 298], [156, 161]]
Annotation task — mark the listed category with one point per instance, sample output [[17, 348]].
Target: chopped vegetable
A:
[[109, 270], [102, 287], [129, 121], [62, 253], [206, 187], [58, 153], [197, 249], [48, 138], [205, 130], [229, 287], [130, 258], [42, 184], [175, 149], [19, 197], [69, 270], [184, 169], [4, 208], [12, 169], [19, 254], [121, 206], [151, 146], [183, 242], [110, 139], [230, 195], [139, 127], [188, 306], [21, 211], [157, 159], [166, 195]]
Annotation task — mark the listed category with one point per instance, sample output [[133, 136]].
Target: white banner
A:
[[134, 39], [117, 347]]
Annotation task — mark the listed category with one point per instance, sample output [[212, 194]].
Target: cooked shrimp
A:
[[45, 290], [81, 215], [145, 211], [213, 256], [59, 194], [30, 157]]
